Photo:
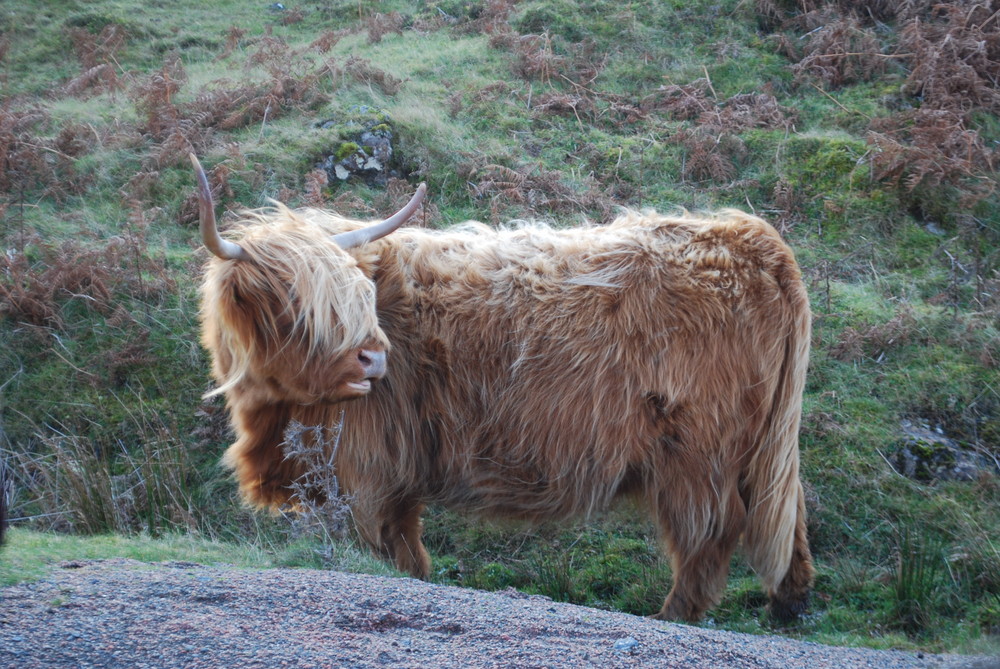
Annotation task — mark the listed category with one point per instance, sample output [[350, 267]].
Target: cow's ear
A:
[[368, 260], [249, 315]]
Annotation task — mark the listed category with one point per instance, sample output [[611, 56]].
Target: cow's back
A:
[[538, 372]]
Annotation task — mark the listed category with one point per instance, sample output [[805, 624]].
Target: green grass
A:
[[30, 555], [902, 284]]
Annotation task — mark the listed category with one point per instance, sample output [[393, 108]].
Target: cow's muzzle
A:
[[373, 367]]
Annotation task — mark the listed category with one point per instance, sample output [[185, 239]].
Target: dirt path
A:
[[123, 613]]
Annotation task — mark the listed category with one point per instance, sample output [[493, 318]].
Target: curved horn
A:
[[206, 208], [352, 238]]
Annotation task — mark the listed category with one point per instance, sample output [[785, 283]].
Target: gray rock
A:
[[928, 454]]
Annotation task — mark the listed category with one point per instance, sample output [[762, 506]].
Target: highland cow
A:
[[528, 372]]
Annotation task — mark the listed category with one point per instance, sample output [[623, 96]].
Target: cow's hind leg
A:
[[790, 597], [701, 532]]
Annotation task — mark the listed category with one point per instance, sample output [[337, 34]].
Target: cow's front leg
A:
[[401, 529], [701, 532]]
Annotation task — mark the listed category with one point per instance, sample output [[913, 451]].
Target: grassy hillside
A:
[[867, 133]]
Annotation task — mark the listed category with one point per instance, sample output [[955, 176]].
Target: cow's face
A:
[[295, 320], [287, 312], [334, 349]]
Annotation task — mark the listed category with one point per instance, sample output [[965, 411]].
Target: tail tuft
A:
[[775, 536]]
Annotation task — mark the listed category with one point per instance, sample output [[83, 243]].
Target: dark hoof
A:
[[789, 610]]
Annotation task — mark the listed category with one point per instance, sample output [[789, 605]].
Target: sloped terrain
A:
[[866, 132]]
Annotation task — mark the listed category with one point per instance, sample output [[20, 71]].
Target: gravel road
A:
[[123, 613]]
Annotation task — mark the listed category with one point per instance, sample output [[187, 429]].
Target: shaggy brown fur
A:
[[534, 373]]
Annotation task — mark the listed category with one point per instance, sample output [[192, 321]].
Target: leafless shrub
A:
[[363, 71], [318, 507], [133, 352], [234, 36], [239, 106], [950, 49], [532, 189], [712, 146], [379, 25], [325, 42], [837, 50], [491, 92], [787, 203], [681, 103], [154, 98], [709, 154], [98, 56], [951, 53], [781, 13], [315, 182], [141, 186], [535, 59], [289, 196], [76, 139], [33, 290], [455, 104], [141, 275], [563, 104], [491, 19], [184, 138], [748, 110], [503, 37], [424, 25], [930, 148], [25, 158], [96, 80], [875, 341], [93, 50], [623, 110], [955, 60], [271, 51], [292, 17]]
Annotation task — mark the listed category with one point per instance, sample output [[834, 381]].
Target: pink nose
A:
[[372, 363]]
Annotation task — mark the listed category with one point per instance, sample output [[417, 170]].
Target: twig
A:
[[837, 102], [82, 371], [863, 53], [993, 16], [11, 379], [59, 341], [709, 80], [891, 467], [685, 93], [267, 110]]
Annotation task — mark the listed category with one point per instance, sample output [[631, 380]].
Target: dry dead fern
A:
[[379, 25]]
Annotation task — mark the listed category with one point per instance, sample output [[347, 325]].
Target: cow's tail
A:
[[775, 537]]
